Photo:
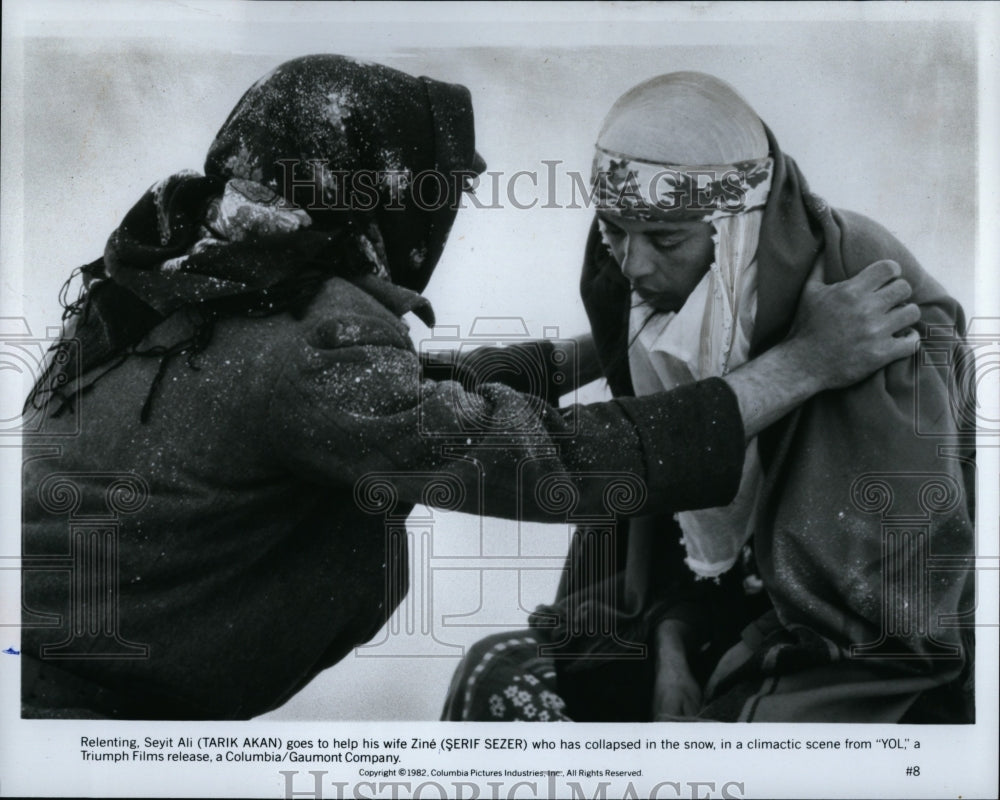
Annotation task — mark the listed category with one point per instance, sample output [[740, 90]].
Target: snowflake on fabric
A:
[[529, 710], [531, 680]]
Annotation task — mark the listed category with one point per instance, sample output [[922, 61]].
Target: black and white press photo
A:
[[373, 373]]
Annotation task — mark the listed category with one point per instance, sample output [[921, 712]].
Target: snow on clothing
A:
[[308, 177], [818, 542], [253, 566]]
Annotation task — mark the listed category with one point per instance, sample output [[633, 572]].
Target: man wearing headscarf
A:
[[793, 602], [239, 363]]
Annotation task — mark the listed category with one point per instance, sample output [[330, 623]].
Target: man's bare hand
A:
[[676, 693], [843, 332]]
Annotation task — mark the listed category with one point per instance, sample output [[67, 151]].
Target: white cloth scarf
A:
[[709, 336]]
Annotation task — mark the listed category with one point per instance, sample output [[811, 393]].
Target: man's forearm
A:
[[771, 385], [842, 333]]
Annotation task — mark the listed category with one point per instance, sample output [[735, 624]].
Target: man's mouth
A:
[[662, 301]]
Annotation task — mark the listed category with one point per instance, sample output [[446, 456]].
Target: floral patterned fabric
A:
[[646, 191], [503, 678]]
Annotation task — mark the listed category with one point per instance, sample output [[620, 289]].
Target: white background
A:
[[883, 108]]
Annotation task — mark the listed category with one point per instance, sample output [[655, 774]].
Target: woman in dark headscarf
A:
[[238, 364], [806, 597], [213, 356]]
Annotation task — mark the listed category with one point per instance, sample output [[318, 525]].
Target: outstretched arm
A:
[[355, 404]]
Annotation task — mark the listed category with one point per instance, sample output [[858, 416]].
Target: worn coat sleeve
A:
[[353, 403]]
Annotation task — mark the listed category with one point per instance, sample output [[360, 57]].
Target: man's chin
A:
[[661, 302]]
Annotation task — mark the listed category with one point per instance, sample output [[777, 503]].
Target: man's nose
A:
[[640, 259]]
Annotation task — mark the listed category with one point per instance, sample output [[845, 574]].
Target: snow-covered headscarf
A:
[[686, 144], [316, 172]]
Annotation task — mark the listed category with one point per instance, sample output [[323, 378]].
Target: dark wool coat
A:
[[258, 559]]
